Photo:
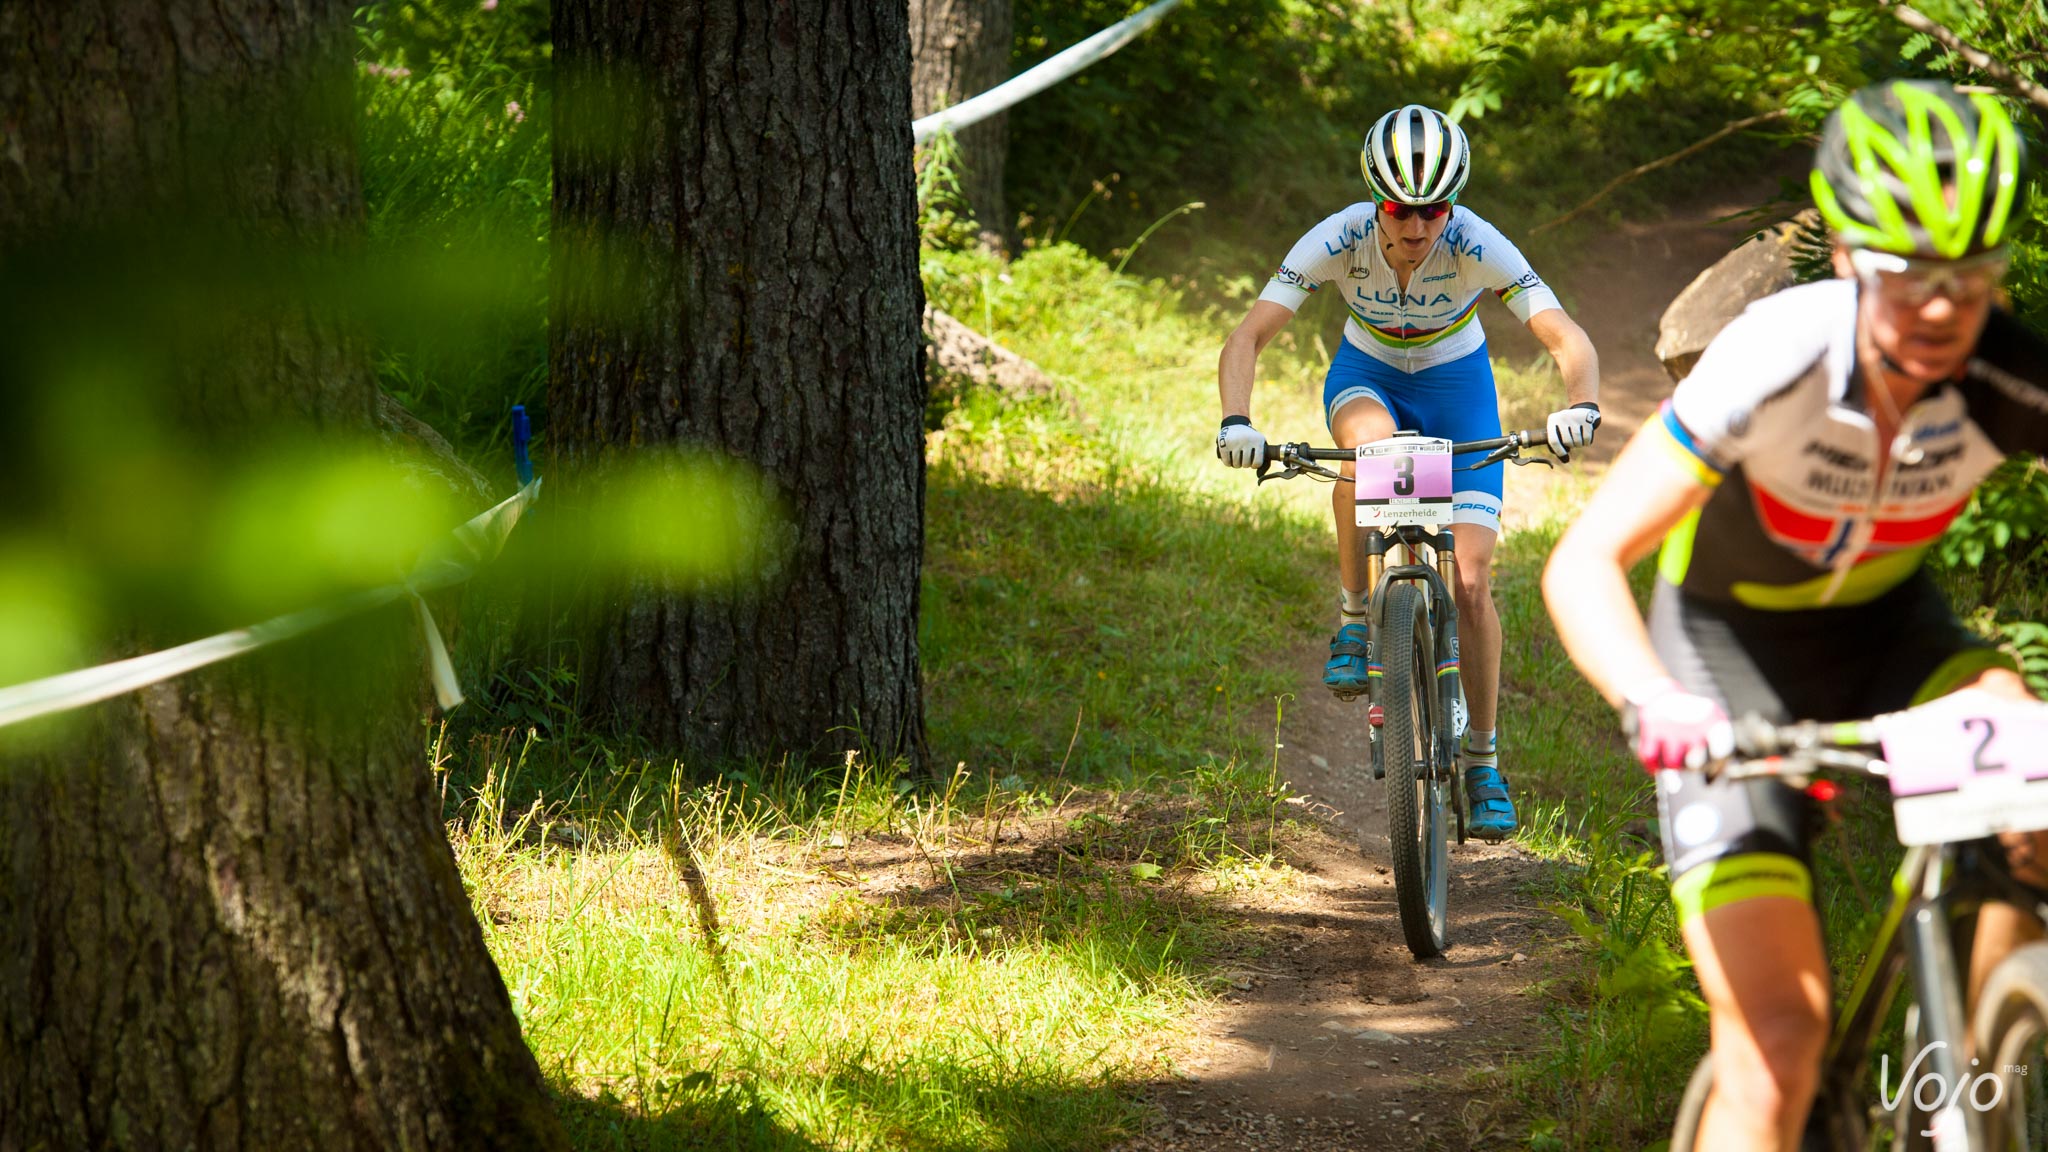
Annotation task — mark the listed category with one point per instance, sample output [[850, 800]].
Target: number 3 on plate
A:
[[1404, 475]]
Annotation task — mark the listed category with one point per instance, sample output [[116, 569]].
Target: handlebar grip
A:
[[522, 435]]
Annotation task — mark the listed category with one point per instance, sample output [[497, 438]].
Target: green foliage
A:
[[1999, 531], [944, 218], [459, 38], [1793, 54], [457, 177], [1256, 108]]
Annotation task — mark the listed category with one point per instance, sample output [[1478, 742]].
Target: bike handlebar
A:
[[1754, 747], [1524, 438]]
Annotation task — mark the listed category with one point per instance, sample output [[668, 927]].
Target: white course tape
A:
[[1043, 76], [471, 546]]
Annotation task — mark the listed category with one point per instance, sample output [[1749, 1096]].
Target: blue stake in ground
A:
[[522, 434]]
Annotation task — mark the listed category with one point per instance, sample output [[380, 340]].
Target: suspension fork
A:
[[1915, 941], [1938, 980], [1450, 675]]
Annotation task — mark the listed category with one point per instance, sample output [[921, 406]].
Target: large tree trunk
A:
[[229, 918], [736, 270], [958, 49]]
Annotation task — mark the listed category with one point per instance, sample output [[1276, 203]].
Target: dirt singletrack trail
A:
[[1335, 1038]]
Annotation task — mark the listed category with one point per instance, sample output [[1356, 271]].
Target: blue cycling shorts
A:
[[1456, 401]]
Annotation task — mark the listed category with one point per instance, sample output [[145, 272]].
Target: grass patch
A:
[[858, 964]]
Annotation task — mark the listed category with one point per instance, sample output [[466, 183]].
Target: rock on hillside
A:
[[1756, 269], [957, 358]]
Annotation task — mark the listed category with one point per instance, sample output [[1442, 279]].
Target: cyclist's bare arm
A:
[[1573, 350], [1644, 494], [1241, 354]]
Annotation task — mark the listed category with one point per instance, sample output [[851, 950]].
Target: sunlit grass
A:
[[852, 964]]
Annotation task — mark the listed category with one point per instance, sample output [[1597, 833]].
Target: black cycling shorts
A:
[[1735, 840]]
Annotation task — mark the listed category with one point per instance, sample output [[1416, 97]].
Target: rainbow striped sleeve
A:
[[1684, 448]]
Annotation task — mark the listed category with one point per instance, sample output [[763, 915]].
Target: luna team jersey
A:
[[1805, 511], [1436, 319]]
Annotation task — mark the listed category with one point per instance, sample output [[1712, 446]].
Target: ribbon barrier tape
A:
[[1046, 74], [470, 547]]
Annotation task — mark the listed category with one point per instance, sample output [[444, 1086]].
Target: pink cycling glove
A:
[[1667, 723]]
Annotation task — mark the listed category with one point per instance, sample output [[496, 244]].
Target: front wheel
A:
[[1417, 793], [2012, 1041], [1685, 1132]]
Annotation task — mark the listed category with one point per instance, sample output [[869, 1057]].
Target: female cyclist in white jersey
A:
[[1796, 478], [1411, 265]]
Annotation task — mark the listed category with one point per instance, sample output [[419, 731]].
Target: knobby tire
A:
[[1408, 749], [2012, 1030]]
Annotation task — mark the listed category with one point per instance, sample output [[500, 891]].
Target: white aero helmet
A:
[[1415, 155]]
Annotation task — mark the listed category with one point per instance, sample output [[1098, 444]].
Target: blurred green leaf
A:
[[298, 525], [45, 612]]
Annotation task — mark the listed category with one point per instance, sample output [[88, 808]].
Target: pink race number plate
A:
[[1967, 765], [1404, 480]]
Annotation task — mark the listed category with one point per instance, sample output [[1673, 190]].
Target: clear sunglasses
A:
[[1913, 281]]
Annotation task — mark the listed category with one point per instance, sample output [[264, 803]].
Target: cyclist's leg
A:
[[1479, 638], [1457, 401], [1769, 1015], [1737, 854], [1358, 411]]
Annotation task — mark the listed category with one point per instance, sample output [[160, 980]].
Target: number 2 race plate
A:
[[1404, 480], [1966, 766]]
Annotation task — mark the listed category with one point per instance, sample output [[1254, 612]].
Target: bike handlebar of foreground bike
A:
[[1753, 746]]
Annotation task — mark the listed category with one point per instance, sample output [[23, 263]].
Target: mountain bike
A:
[[1417, 702], [1961, 768]]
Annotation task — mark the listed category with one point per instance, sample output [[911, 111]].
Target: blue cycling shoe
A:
[[1345, 674], [1486, 790]]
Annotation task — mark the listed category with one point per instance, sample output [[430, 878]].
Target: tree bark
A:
[[229, 917], [958, 49], [735, 270]]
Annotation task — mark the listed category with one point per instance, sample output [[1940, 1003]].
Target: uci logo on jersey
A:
[[1293, 279]]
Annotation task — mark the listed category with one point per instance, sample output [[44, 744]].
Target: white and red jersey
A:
[[1807, 512], [1436, 320]]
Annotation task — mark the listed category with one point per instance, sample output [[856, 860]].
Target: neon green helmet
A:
[[1918, 168]]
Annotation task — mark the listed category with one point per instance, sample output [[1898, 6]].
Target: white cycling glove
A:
[[1573, 427], [1238, 444]]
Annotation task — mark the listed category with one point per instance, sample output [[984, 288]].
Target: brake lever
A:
[[1504, 452], [1524, 461], [1295, 466], [1301, 468]]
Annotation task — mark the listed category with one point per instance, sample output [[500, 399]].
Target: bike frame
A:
[[1936, 893], [1412, 548]]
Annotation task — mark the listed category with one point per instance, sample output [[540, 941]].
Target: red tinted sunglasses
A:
[[1401, 211]]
